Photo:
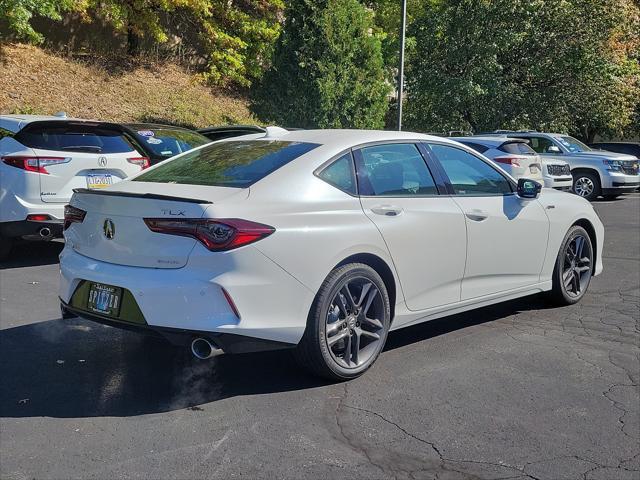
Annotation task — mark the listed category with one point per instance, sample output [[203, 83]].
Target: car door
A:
[[506, 235], [424, 231]]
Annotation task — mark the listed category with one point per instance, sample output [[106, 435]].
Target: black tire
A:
[[316, 354], [586, 185], [561, 293], [5, 247]]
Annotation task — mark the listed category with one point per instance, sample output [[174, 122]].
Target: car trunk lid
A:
[[114, 230]]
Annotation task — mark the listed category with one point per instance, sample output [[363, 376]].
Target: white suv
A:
[[516, 157], [43, 158]]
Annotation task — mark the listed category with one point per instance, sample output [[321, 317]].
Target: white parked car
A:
[[43, 158], [516, 157], [319, 240]]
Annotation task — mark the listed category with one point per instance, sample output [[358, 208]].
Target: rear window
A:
[[228, 164], [74, 138], [517, 148], [167, 142]]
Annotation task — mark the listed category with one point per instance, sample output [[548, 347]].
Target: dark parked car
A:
[[228, 131], [159, 142], [630, 148]]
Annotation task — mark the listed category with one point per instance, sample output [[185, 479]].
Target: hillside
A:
[[33, 80]]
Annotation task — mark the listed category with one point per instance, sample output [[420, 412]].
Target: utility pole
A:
[[401, 67]]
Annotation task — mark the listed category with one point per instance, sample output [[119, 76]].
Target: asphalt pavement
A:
[[517, 390]]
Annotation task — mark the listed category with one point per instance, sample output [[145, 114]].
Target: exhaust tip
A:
[[203, 349], [45, 232]]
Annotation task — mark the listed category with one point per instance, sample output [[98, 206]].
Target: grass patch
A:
[[35, 81]]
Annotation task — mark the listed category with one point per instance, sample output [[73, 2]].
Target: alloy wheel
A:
[[576, 270], [584, 187], [354, 328]]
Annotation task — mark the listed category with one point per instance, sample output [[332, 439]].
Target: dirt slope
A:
[[35, 81]]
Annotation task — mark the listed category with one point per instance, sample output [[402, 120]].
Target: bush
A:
[[327, 69]]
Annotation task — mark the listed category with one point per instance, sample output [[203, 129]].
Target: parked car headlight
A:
[[613, 165]]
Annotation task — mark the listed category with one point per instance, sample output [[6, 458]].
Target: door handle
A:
[[387, 210], [477, 215]]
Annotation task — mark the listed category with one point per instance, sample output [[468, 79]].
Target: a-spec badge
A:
[[109, 229]]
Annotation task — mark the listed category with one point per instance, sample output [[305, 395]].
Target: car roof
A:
[[232, 128], [493, 140], [16, 122], [345, 138], [134, 126], [615, 143]]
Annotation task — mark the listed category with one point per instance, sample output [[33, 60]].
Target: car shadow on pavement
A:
[[75, 368], [32, 254]]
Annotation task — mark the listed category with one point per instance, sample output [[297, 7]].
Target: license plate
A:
[[104, 299], [99, 181]]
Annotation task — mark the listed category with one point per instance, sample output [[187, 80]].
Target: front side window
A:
[[468, 174], [340, 174], [394, 170], [227, 164]]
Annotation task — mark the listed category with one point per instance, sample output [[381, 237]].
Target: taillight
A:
[[216, 235], [508, 161], [38, 217], [142, 162], [73, 215], [34, 164]]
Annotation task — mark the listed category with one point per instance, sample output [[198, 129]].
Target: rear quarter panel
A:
[[317, 225]]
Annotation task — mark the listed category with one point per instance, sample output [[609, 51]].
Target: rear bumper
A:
[[14, 208], [272, 305], [32, 230], [229, 343]]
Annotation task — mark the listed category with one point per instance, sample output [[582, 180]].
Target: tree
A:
[[524, 64], [17, 15], [327, 69]]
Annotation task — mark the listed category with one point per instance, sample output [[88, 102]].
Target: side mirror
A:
[[554, 149], [528, 188]]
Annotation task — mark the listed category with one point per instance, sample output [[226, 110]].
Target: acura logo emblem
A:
[[102, 161], [109, 229]]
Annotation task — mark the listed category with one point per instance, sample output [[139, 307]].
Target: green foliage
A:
[[519, 63], [239, 39], [327, 70], [18, 13]]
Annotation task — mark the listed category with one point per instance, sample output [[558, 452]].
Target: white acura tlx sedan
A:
[[320, 240]]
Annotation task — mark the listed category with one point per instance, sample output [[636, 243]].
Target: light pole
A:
[[401, 67]]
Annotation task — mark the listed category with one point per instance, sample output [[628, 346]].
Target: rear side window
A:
[[393, 170], [5, 133], [517, 148], [340, 174], [74, 138], [166, 142], [476, 146], [228, 164]]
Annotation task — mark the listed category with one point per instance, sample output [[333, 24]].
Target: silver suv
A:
[[595, 172]]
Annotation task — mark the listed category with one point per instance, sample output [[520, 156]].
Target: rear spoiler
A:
[[150, 196]]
